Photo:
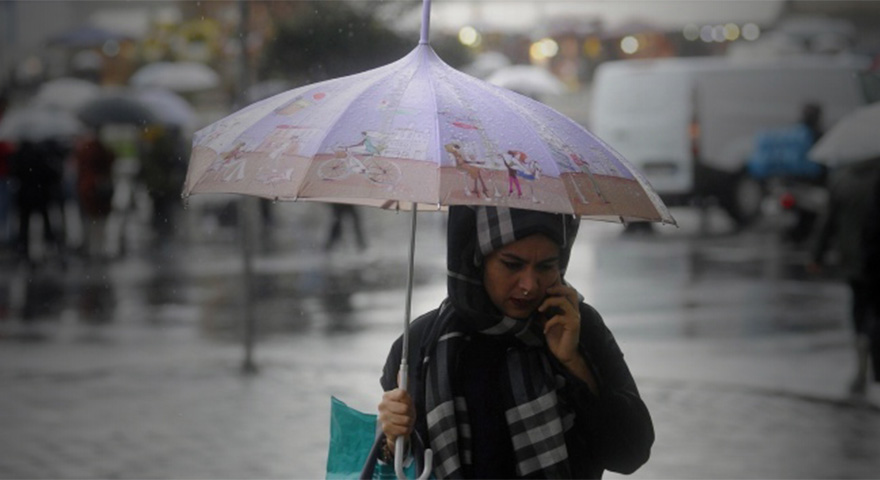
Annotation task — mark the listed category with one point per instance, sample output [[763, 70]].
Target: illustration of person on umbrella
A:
[[519, 165], [514, 375], [367, 142], [231, 164], [472, 172]]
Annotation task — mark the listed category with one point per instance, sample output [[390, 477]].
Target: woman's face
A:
[[517, 275]]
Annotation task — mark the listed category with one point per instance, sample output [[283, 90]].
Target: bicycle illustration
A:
[[344, 163]]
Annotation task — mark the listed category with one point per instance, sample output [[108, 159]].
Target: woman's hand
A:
[[563, 330], [397, 415]]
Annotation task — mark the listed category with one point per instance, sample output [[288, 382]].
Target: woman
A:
[[514, 376]]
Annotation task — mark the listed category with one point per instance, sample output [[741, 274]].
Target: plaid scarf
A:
[[537, 418]]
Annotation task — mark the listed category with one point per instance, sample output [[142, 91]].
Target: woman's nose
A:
[[528, 281]]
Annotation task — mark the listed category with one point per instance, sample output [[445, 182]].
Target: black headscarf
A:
[[536, 417], [475, 232]]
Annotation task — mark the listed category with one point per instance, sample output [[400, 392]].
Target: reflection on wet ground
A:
[[679, 284]]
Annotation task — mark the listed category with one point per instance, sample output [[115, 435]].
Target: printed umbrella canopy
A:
[[417, 134]]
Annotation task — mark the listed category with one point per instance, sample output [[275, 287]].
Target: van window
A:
[[870, 86], [635, 92]]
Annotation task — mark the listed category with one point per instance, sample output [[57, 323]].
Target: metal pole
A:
[[246, 222], [400, 444]]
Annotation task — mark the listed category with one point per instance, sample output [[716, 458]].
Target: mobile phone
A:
[[550, 313]]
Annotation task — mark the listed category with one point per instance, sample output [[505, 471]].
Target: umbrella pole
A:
[[399, 444]]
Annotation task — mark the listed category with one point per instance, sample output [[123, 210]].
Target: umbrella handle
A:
[[398, 461], [399, 443]]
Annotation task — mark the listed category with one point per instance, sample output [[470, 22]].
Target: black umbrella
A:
[[116, 108]]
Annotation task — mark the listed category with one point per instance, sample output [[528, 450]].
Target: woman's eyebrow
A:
[[517, 258], [512, 257]]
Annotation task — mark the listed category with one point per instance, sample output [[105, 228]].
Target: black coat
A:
[[613, 431]]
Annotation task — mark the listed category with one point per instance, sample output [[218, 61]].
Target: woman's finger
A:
[[569, 293], [558, 302]]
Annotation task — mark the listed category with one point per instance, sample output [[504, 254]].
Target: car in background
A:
[[690, 124]]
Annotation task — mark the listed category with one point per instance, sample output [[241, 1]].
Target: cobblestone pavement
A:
[[132, 370], [159, 404]]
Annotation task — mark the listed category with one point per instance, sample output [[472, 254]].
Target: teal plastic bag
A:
[[352, 435]]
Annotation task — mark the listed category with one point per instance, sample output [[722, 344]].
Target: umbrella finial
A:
[[426, 21]]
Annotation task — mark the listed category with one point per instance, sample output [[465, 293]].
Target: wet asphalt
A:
[[131, 368]]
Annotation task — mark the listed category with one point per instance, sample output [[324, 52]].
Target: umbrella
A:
[[177, 76], [530, 80], [118, 107], [417, 134], [85, 37], [853, 138], [66, 93], [37, 124], [168, 107]]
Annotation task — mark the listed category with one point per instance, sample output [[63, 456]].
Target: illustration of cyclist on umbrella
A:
[[345, 162]]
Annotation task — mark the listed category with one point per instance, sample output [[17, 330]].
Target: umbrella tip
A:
[[426, 22]]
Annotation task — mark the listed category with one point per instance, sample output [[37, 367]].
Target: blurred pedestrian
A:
[[842, 229], [340, 212], [6, 149], [514, 376], [872, 272], [94, 188], [163, 170], [37, 169], [780, 160]]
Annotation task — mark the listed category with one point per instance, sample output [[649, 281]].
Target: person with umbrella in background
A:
[[842, 227], [871, 242], [514, 375], [852, 149], [37, 167], [162, 172]]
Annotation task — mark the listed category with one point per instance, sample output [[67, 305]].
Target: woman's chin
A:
[[519, 314]]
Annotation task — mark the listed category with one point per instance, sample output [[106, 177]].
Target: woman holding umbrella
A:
[[513, 375]]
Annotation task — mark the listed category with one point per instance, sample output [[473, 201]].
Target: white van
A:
[[689, 123]]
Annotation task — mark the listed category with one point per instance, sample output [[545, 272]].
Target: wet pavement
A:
[[131, 368]]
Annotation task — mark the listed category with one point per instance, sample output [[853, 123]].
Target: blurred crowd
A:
[[70, 193]]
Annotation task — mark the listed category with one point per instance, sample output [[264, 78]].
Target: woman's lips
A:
[[521, 303]]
